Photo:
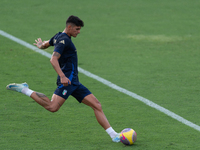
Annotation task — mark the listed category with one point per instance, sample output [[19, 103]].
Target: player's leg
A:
[[92, 101], [52, 105]]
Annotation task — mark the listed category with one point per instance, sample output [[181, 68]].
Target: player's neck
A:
[[65, 31]]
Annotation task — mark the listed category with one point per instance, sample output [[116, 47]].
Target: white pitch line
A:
[[109, 84]]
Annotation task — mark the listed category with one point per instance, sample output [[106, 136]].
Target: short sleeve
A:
[[60, 46], [51, 41]]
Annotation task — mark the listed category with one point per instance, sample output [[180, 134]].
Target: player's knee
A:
[[98, 106], [52, 109]]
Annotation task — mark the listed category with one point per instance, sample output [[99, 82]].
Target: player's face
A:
[[75, 30]]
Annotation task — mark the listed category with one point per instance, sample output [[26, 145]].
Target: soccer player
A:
[[64, 61]]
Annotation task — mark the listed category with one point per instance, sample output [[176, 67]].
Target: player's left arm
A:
[[42, 44]]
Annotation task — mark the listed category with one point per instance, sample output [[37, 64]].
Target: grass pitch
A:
[[148, 47]]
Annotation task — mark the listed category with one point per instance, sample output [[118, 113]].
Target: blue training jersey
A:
[[68, 60]]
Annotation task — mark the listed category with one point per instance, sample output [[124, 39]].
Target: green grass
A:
[[148, 47]]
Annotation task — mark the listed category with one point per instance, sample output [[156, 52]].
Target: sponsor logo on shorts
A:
[[64, 92]]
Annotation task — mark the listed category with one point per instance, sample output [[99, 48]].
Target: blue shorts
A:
[[77, 91]]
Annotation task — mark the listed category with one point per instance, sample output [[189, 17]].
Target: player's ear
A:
[[69, 26]]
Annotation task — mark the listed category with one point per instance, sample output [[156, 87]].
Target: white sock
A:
[[27, 91], [111, 132]]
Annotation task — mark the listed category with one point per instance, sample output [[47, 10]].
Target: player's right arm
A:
[[54, 61], [42, 44]]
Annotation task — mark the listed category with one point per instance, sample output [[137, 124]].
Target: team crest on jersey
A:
[[64, 92]]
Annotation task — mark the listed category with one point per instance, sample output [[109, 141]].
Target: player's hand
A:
[[65, 81], [38, 43]]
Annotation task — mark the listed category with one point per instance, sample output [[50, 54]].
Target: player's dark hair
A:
[[75, 20]]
